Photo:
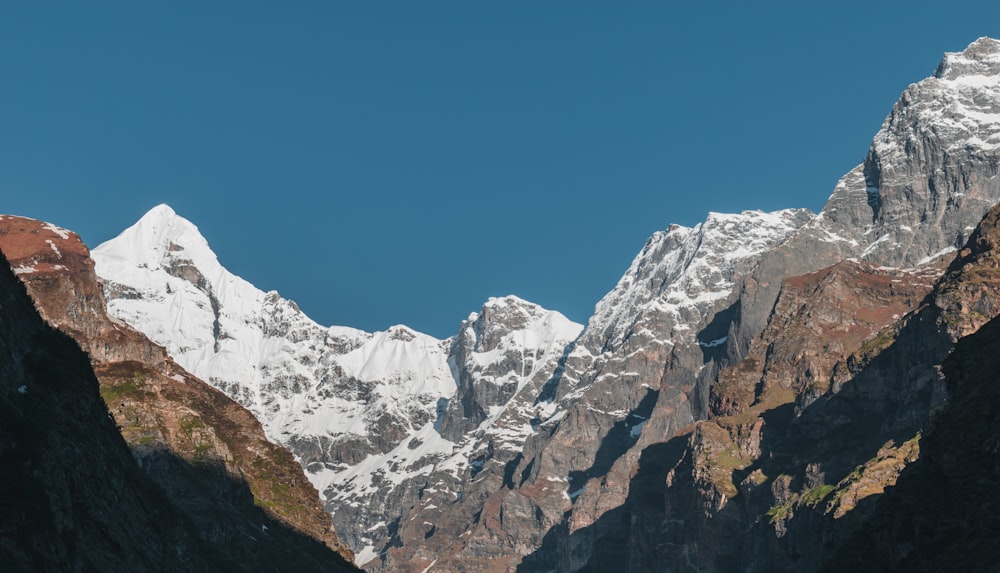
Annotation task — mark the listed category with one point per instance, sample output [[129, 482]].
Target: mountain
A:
[[367, 414], [915, 199], [739, 401], [246, 496]]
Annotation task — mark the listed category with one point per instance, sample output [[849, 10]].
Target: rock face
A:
[[246, 495], [738, 402]]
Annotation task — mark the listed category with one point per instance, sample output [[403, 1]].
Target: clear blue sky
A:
[[400, 162]]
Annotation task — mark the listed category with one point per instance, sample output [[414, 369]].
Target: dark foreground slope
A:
[[944, 511], [221, 497], [71, 496]]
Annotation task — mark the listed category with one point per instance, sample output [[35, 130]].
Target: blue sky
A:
[[400, 162]]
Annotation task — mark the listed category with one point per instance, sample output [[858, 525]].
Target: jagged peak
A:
[[756, 217], [163, 218], [502, 317], [500, 309], [161, 211], [509, 300], [980, 58], [682, 268], [958, 105]]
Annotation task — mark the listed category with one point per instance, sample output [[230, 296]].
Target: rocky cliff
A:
[[247, 496]]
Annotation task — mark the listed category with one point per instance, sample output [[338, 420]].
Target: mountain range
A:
[[759, 392]]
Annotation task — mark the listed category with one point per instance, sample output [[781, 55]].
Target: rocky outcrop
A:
[[898, 210], [246, 495], [608, 390]]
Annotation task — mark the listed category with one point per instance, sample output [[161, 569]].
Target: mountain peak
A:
[[161, 211], [166, 223], [157, 237], [980, 58]]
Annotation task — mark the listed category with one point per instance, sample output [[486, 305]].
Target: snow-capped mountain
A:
[[643, 369], [363, 412], [379, 419], [260, 348], [515, 439]]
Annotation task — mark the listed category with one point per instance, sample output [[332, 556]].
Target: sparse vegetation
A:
[[880, 341], [816, 495], [781, 512], [189, 424], [124, 388]]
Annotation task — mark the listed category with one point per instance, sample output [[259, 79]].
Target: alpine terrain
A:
[[778, 391]]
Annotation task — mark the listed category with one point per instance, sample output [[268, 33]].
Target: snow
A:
[[366, 554], [886, 238], [683, 271], [254, 345], [960, 104], [713, 343], [940, 253], [63, 233]]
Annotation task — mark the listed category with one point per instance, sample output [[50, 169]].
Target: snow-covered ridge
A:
[[681, 271], [162, 277]]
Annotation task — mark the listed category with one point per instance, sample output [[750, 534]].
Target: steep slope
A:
[[929, 176], [943, 510], [205, 451], [72, 497]]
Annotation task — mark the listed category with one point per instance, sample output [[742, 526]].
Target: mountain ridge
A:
[[580, 411]]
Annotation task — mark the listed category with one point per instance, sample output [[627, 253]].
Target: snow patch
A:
[[713, 343], [63, 233]]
